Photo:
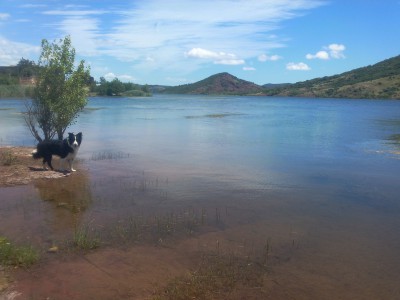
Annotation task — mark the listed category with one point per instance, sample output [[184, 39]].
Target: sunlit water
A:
[[321, 172]]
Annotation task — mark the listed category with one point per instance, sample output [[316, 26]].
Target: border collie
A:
[[65, 149]]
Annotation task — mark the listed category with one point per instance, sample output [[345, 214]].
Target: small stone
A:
[[53, 249]]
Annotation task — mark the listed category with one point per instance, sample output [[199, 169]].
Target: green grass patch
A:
[[86, 237], [11, 255], [16, 91]]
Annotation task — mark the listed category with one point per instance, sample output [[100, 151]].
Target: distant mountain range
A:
[[378, 81]]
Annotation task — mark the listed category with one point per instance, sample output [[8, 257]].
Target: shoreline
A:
[[17, 167]]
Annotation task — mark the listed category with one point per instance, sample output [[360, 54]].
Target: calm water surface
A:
[[321, 174]]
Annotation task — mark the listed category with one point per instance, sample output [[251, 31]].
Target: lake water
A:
[[316, 178]]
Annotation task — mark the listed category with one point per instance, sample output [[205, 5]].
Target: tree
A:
[[26, 68], [116, 87], [60, 92]]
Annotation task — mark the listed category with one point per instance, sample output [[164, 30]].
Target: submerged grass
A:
[[159, 227], [216, 277], [11, 255], [105, 155], [86, 237]]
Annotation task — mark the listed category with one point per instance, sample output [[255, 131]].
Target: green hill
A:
[[379, 81], [218, 84]]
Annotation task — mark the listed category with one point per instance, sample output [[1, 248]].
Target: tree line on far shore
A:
[[18, 82]]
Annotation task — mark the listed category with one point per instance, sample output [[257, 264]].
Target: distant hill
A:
[[218, 84], [378, 81]]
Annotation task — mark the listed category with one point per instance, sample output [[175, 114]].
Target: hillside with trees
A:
[[17, 81], [218, 84], [378, 81]]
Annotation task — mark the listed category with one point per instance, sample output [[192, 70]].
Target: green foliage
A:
[[86, 238], [60, 92], [8, 80], [118, 88], [16, 91], [24, 69], [11, 255], [27, 68]]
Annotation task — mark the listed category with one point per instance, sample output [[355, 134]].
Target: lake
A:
[[314, 180]]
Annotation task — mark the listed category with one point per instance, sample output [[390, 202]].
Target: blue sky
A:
[[173, 42]]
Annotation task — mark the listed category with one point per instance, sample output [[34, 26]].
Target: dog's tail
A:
[[35, 154]]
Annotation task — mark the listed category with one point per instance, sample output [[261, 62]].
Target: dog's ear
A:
[[79, 137]]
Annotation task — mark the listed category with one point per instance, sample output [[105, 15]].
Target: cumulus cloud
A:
[[332, 51], [124, 78], [297, 67], [109, 76], [249, 69], [318, 55], [220, 58], [264, 57], [336, 50]]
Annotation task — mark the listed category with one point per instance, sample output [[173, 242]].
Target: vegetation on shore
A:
[[118, 88], [19, 82], [378, 81]]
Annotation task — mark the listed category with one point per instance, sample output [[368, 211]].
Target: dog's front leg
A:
[[70, 161]]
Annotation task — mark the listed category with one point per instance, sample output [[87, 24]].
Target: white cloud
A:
[[336, 50], [319, 55], [85, 34], [110, 76], [124, 78], [297, 67], [264, 57], [4, 16], [249, 69], [11, 52], [220, 58], [332, 51], [165, 30]]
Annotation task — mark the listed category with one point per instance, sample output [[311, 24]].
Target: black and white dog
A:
[[65, 149]]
